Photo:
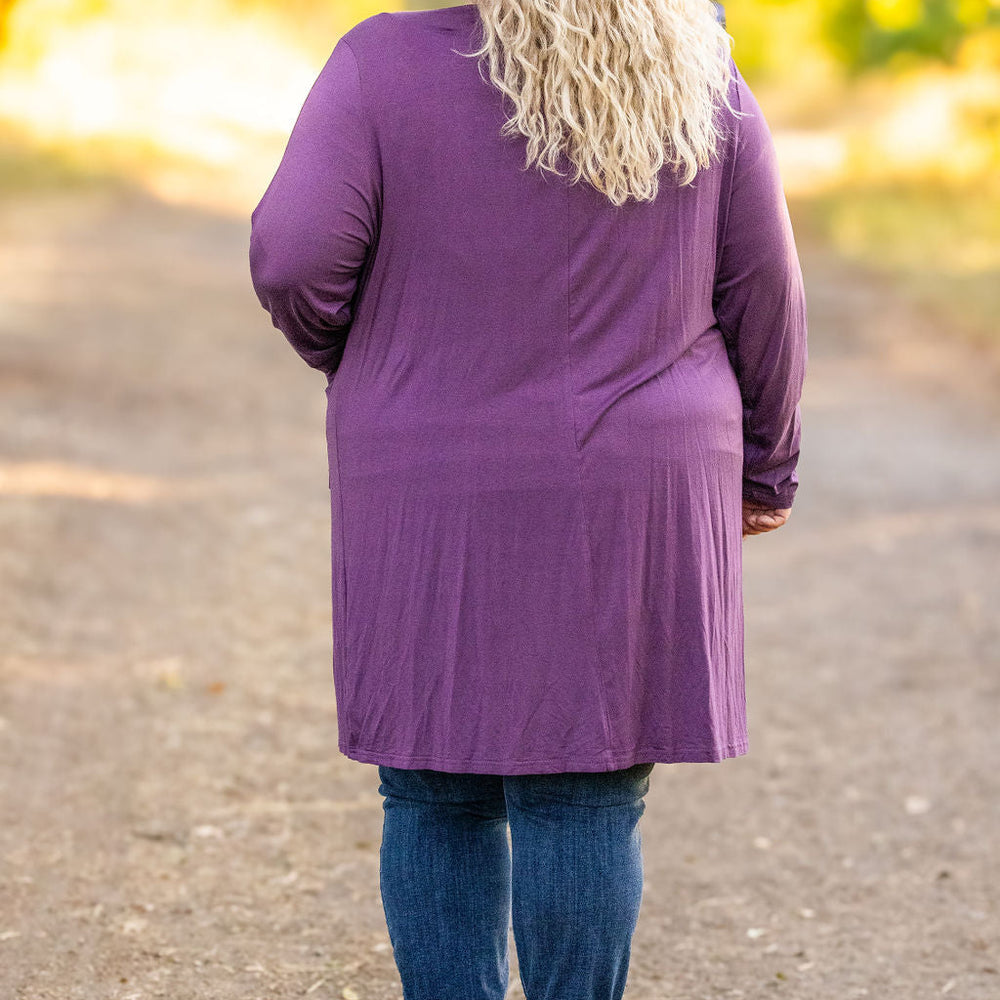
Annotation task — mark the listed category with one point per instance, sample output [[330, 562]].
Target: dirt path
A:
[[177, 821]]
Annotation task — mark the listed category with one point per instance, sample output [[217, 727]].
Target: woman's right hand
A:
[[758, 519]]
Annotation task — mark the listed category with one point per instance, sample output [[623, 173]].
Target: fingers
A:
[[757, 521]]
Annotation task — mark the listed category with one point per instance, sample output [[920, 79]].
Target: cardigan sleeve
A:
[[318, 219], [760, 306]]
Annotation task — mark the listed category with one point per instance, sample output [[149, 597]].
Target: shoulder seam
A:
[[729, 175], [365, 103]]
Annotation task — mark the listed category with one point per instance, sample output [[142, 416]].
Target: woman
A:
[[541, 252]]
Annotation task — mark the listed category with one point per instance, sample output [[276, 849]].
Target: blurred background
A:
[[888, 111], [177, 820]]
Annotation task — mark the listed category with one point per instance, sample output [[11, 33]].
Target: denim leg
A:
[[577, 878], [445, 882]]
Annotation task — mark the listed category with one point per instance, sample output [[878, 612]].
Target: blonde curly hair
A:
[[622, 88]]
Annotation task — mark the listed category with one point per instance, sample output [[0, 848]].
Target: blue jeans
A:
[[570, 880]]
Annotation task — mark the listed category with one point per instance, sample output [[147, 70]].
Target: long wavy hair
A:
[[621, 88]]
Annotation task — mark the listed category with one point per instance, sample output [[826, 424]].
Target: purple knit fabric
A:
[[543, 412]]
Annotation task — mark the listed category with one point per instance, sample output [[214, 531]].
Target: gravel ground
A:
[[177, 820]]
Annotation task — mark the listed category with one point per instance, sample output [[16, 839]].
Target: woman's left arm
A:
[[319, 217]]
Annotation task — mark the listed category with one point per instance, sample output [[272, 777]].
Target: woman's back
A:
[[544, 413]]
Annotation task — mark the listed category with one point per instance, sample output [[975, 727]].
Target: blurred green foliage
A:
[[869, 33], [774, 37]]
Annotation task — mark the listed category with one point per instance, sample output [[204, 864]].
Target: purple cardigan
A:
[[543, 414]]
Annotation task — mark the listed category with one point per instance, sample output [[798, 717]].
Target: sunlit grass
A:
[[938, 244], [191, 99], [30, 165], [949, 231]]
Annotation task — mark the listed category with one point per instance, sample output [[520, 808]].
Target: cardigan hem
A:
[[606, 761]]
